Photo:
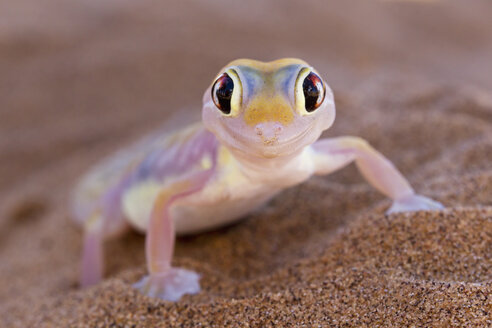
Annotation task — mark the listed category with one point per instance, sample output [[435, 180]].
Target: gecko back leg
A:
[[92, 251], [96, 229], [97, 210], [98, 226]]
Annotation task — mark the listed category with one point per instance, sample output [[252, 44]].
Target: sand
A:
[[81, 79]]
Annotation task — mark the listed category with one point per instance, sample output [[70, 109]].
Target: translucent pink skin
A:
[[164, 281], [269, 155], [160, 164]]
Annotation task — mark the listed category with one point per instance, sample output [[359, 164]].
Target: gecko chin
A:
[[270, 146]]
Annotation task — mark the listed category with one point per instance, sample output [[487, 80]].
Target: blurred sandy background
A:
[[80, 78]]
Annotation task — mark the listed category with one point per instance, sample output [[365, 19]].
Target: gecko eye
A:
[[222, 93], [314, 92]]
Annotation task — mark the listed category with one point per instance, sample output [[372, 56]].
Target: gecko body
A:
[[260, 130]]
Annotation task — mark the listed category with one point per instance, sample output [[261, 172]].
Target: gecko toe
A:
[[414, 203], [171, 285]]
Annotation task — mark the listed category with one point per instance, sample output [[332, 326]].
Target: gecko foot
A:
[[171, 285], [414, 203]]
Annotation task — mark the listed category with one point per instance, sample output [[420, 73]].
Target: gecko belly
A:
[[227, 198], [195, 218], [194, 214]]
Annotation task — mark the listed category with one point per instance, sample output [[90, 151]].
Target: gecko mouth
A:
[[271, 147]]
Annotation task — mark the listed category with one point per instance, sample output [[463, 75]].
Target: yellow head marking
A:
[[267, 86], [271, 108]]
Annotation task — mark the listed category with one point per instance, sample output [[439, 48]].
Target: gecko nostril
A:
[[269, 132]]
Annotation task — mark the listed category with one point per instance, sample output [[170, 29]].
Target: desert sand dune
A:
[[80, 79]]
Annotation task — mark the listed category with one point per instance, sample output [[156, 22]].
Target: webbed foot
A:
[[414, 203], [171, 285]]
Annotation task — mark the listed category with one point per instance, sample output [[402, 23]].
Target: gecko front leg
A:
[[332, 154], [164, 281]]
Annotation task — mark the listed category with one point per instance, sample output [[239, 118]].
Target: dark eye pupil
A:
[[314, 91], [222, 93]]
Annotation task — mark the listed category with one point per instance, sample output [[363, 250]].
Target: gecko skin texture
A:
[[259, 135]]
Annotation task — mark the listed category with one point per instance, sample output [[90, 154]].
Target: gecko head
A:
[[268, 109]]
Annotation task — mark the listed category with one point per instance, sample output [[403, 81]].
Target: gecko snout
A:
[[269, 132]]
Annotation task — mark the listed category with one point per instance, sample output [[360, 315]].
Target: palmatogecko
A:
[[259, 135]]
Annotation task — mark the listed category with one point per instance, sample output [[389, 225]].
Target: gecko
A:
[[261, 122]]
